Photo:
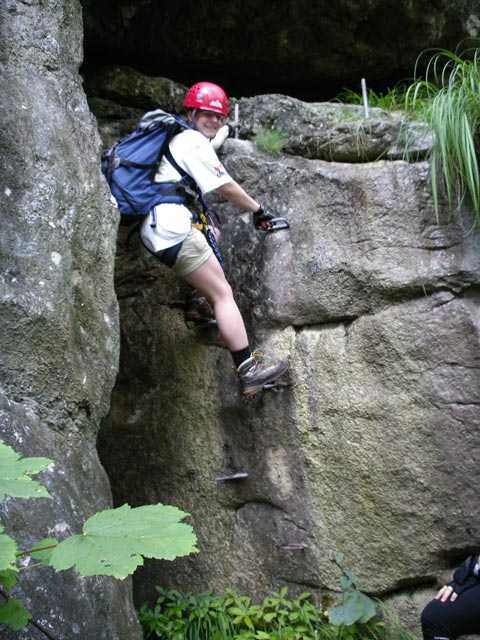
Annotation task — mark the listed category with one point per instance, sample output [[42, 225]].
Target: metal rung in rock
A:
[[233, 476], [294, 546]]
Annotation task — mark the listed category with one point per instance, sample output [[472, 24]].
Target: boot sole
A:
[[259, 387]]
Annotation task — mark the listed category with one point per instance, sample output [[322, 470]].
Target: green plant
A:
[[354, 606], [113, 542], [271, 140], [451, 93], [229, 616], [180, 616], [359, 617], [277, 617]]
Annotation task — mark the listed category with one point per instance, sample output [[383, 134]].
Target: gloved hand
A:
[[262, 219], [463, 577]]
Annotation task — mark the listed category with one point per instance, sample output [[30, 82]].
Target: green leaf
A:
[[305, 595], [14, 475], [8, 549], [356, 607], [13, 613], [248, 622], [115, 541]]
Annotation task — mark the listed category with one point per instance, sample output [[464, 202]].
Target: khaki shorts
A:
[[194, 252]]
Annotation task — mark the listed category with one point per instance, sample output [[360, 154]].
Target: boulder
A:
[[375, 304], [59, 338]]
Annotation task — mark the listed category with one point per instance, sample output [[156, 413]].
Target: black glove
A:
[[260, 217], [463, 577]]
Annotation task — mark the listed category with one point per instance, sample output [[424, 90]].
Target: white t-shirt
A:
[[194, 154]]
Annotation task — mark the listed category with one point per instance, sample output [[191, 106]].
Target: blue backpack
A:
[[131, 163]]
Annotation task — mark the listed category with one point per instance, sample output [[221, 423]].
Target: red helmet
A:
[[208, 96]]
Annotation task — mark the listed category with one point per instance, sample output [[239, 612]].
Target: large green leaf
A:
[[115, 541], [14, 474], [8, 549], [356, 607]]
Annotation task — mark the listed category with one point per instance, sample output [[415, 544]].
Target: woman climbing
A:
[[178, 241]]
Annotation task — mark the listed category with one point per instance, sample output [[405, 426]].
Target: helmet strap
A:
[[193, 113]]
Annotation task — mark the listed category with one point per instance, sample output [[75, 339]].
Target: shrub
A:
[[208, 616]]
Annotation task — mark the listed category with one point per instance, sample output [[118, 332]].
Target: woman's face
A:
[[206, 122]]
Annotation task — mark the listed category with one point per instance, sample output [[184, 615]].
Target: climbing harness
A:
[[203, 220]]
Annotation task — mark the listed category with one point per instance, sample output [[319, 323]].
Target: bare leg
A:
[[210, 280]]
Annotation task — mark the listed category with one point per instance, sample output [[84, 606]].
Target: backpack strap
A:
[[169, 156], [187, 181]]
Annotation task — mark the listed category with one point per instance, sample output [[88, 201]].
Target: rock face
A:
[[372, 451], [306, 49], [59, 338]]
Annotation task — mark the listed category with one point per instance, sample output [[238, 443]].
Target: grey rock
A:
[[119, 95], [59, 338], [333, 131], [375, 304]]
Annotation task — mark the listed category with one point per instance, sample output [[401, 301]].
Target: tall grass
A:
[[449, 96]]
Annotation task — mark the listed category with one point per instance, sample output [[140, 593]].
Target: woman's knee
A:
[[222, 292], [211, 281]]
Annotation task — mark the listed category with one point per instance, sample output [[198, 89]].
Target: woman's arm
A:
[[234, 193]]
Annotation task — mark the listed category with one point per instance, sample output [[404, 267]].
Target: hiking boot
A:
[[255, 375], [198, 310]]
